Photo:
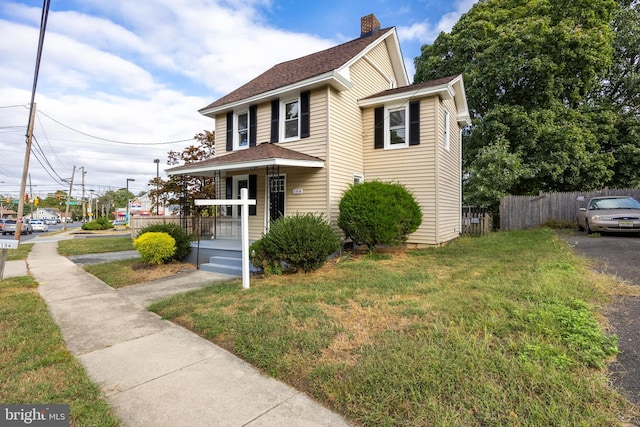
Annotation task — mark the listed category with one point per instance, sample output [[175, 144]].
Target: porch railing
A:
[[202, 228]]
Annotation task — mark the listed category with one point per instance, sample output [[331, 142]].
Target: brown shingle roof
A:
[[290, 72], [414, 87], [259, 152]]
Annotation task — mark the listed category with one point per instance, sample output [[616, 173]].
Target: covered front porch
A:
[[265, 171]]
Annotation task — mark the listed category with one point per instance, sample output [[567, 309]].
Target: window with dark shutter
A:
[[305, 105], [275, 118], [230, 131], [253, 125], [378, 118], [414, 123], [253, 192]]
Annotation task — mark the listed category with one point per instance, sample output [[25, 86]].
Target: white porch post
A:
[[245, 203]]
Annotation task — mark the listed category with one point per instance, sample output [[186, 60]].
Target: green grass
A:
[[21, 253], [94, 245], [501, 330], [35, 366]]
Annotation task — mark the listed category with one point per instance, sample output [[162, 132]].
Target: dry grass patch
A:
[[119, 274]]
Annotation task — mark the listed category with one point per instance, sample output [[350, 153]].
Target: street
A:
[[25, 238]]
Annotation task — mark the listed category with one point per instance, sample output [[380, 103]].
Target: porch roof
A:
[[265, 154]]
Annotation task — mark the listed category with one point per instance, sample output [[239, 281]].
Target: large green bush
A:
[[378, 213], [155, 247], [98, 224], [183, 239], [299, 242]]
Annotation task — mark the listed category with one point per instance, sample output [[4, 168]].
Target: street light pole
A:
[[128, 202], [157, 162]]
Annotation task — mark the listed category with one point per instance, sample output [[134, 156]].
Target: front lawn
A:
[[502, 330], [35, 366], [94, 245]]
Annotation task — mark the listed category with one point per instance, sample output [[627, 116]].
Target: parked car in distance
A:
[[10, 227], [39, 225], [610, 214], [119, 222]]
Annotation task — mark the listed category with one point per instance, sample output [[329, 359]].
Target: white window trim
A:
[[387, 125], [358, 178], [236, 191], [283, 113], [236, 139], [447, 131]]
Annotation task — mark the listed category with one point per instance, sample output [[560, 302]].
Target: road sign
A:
[[73, 202]]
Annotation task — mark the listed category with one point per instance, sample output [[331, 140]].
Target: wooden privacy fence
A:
[[522, 212], [476, 221]]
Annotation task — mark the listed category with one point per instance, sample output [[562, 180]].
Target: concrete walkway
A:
[[152, 372]]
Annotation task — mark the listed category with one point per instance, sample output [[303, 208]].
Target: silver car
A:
[[611, 214], [10, 227]]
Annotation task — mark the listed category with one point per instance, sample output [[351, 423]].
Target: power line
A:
[[112, 140]]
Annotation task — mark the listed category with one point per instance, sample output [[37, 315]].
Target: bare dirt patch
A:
[[147, 272]]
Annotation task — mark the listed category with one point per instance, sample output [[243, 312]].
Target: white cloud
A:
[[130, 71]]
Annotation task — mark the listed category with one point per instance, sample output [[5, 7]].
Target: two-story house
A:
[[300, 133]]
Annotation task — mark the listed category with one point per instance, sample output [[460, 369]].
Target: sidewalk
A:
[[154, 373]]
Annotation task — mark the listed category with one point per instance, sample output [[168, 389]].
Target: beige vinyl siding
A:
[[345, 128], [414, 166], [221, 134], [449, 174]]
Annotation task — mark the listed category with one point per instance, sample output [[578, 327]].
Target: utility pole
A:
[[68, 197], [25, 171], [84, 204]]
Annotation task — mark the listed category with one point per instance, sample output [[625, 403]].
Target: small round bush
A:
[[183, 239], [155, 247], [378, 213], [301, 242]]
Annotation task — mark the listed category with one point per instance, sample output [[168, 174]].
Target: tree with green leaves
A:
[[180, 189], [542, 77]]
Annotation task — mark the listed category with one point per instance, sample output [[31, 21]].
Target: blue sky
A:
[[134, 73]]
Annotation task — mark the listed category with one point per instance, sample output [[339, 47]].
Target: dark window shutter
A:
[[378, 137], [230, 131], [414, 123], [229, 193], [253, 125], [305, 106], [253, 192], [275, 119]]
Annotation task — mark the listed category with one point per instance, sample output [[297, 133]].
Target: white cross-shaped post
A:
[[245, 203]]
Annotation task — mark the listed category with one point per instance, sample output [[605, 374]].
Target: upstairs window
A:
[[242, 131], [397, 127], [291, 119], [447, 141]]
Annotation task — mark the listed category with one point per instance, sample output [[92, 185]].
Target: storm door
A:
[[276, 196]]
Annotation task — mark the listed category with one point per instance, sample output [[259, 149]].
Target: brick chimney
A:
[[368, 25]]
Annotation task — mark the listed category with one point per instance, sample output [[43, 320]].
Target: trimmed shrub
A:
[[300, 242], [155, 247], [378, 213], [261, 259], [98, 224], [183, 239]]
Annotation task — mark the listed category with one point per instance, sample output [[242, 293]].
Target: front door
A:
[[276, 196], [239, 182]]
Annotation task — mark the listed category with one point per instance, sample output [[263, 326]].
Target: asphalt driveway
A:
[[619, 255]]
